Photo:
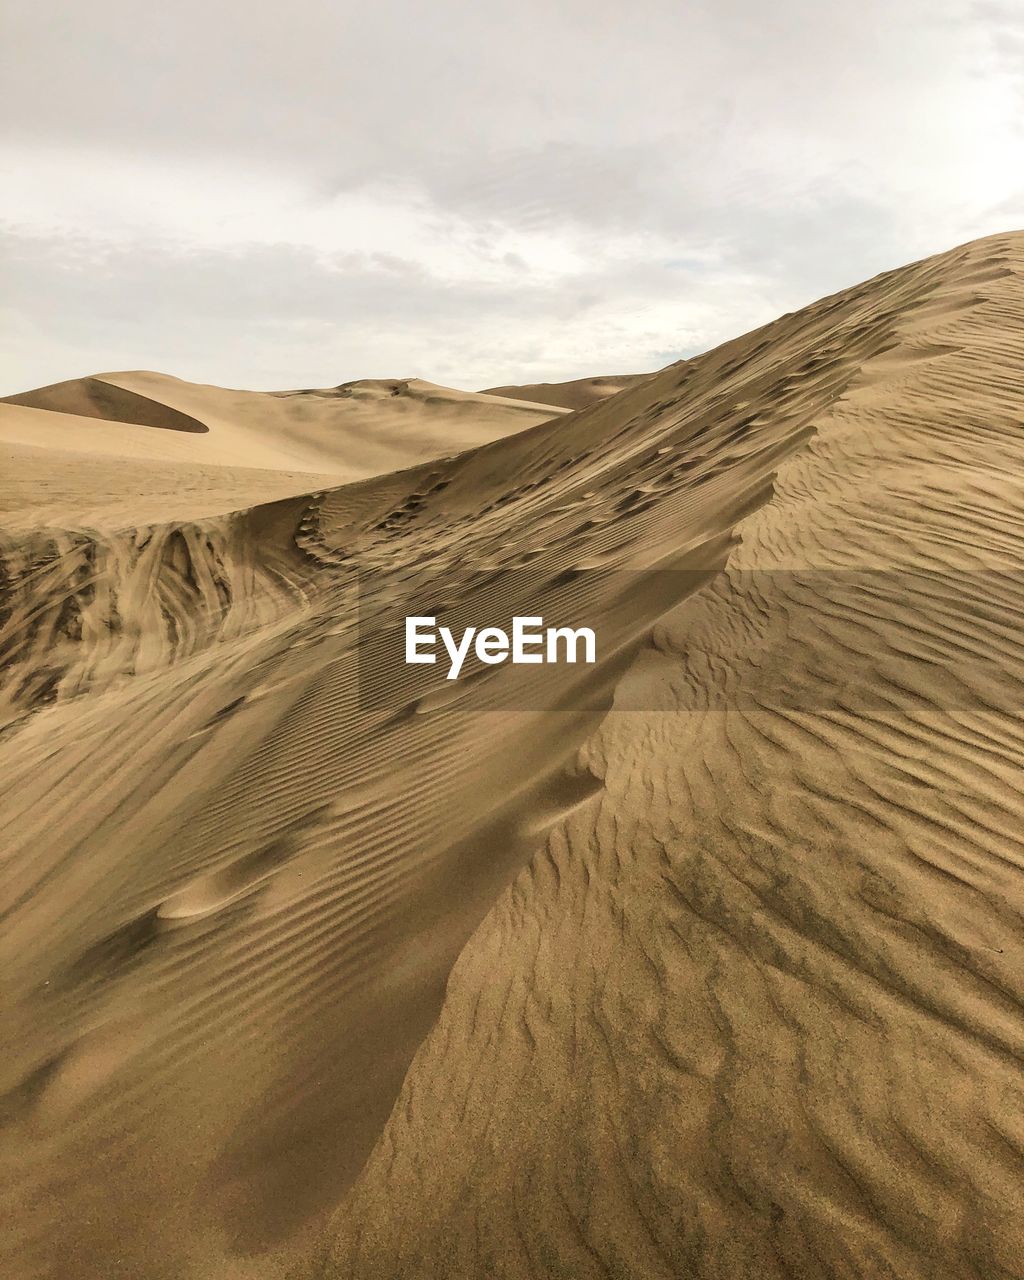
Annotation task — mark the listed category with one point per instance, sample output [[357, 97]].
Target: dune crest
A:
[[103, 398]]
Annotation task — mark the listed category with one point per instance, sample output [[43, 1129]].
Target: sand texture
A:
[[706, 962]]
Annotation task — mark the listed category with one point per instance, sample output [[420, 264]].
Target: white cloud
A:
[[273, 195]]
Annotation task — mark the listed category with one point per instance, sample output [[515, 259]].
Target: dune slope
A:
[[758, 1012], [234, 886]]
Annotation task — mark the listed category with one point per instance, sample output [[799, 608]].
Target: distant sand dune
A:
[[705, 962], [579, 394], [103, 398], [121, 449], [356, 429]]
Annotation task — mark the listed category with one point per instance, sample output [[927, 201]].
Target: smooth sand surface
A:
[[705, 962], [578, 394], [356, 429]]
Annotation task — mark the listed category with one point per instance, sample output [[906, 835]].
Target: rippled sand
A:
[[706, 964]]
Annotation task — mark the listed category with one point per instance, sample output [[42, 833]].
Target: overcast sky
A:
[[277, 195]]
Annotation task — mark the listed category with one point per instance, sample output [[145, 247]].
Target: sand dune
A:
[[137, 448], [356, 429], [705, 961], [758, 1012], [578, 394]]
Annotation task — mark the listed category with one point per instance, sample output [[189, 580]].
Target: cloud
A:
[[272, 195], [278, 315]]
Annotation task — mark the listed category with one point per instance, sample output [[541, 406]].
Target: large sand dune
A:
[[705, 962]]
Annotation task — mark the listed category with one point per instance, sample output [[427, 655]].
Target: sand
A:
[[702, 962], [346, 432], [122, 449], [578, 394]]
